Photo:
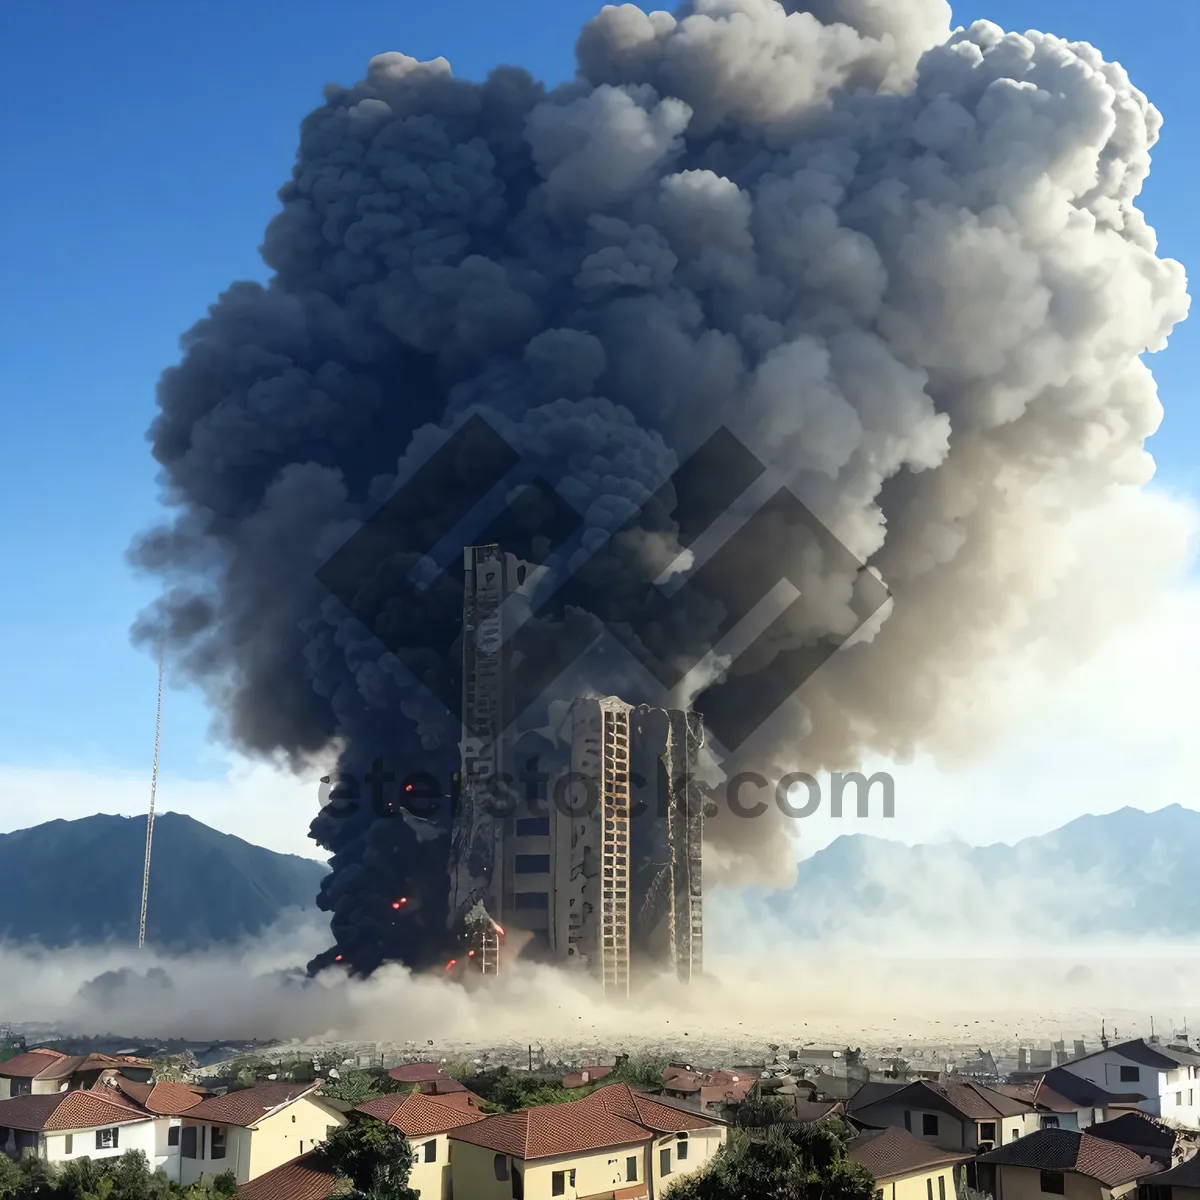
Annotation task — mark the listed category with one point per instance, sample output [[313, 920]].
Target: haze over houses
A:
[[1093, 1125]]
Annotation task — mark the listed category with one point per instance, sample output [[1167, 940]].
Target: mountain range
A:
[[80, 883], [1126, 874]]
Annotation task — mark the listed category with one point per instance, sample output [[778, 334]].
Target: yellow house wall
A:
[[1024, 1183], [917, 1187], [702, 1145], [474, 1177], [279, 1138], [432, 1180]]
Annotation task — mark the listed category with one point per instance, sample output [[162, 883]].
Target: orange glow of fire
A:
[[453, 962], [398, 903], [337, 958], [470, 953]]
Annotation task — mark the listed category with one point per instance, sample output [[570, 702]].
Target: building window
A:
[[187, 1143], [532, 900], [533, 826], [216, 1143], [941, 1187], [559, 1181], [1049, 1122], [1054, 1182], [1130, 1075], [664, 1161], [879, 1194], [1190, 1090], [1178, 1099], [106, 1139], [681, 1150], [69, 1144], [908, 1120], [533, 864], [929, 1124], [987, 1131], [21, 1087], [631, 1169], [500, 1166], [929, 1189], [429, 1151], [518, 1184], [173, 1136]]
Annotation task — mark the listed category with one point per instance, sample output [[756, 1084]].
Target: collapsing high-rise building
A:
[[602, 870]]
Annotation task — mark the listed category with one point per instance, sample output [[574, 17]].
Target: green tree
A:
[[355, 1086], [638, 1071], [375, 1157], [761, 1112], [11, 1179], [782, 1162], [225, 1184]]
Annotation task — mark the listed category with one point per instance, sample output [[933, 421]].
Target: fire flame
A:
[[451, 963]]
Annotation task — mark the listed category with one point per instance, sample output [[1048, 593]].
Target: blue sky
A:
[[144, 143]]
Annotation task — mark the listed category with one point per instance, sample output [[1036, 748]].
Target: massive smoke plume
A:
[[903, 265]]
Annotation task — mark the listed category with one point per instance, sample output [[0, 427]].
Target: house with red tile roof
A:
[[253, 1131], [615, 1143], [952, 1114], [42, 1071], [1060, 1162], [164, 1100], [79, 1123], [907, 1167], [426, 1122]]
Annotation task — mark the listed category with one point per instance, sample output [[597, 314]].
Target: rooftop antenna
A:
[[153, 793]]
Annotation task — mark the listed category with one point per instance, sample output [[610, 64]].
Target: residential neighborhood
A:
[[1095, 1125]]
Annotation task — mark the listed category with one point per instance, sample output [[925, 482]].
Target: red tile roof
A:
[[43, 1063], [250, 1105], [894, 1153], [417, 1115], [309, 1177], [1066, 1150], [613, 1115], [584, 1076], [164, 1099], [420, 1072], [80, 1109], [30, 1064]]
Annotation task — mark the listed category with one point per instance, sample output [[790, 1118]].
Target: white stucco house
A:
[[1167, 1077], [75, 1124]]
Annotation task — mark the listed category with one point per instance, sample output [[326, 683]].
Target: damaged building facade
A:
[[602, 870]]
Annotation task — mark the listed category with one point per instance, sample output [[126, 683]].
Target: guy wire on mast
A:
[[153, 791]]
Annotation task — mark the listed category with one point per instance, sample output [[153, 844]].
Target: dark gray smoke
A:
[[904, 266]]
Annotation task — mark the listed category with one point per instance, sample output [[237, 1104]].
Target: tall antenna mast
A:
[[153, 792]]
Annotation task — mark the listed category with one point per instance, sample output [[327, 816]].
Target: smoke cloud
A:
[[903, 265]]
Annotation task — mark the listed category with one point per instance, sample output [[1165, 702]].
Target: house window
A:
[[1190, 1090], [533, 826], [941, 1187], [1178, 1099], [631, 1169], [518, 1184], [106, 1139], [21, 1087], [500, 1166], [987, 1131], [533, 864], [69, 1144], [1049, 1122], [1054, 1182], [429, 1151], [682, 1147], [173, 1136], [1130, 1075], [664, 1161], [929, 1124], [559, 1181], [908, 1120], [929, 1189], [879, 1194], [531, 900], [187, 1146], [217, 1142]]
